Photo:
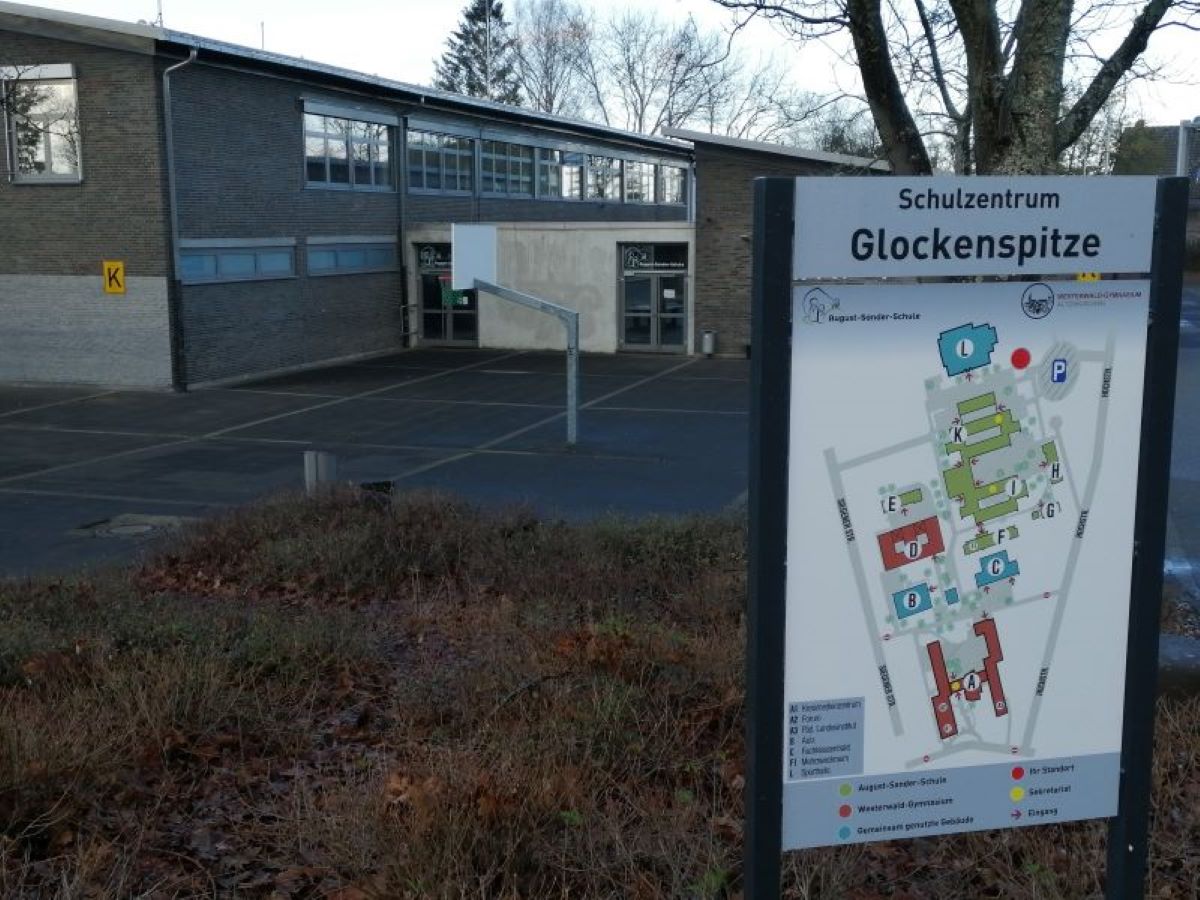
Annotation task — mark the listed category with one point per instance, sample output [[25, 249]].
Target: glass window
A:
[[507, 169], [43, 118], [639, 182], [549, 166], [321, 260], [440, 162], [200, 266], [574, 165], [351, 258], [347, 153], [672, 184], [604, 178], [275, 262], [235, 265], [197, 266]]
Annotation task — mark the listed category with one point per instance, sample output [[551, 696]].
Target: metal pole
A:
[[572, 326], [1181, 148], [570, 320], [1128, 833], [770, 392]]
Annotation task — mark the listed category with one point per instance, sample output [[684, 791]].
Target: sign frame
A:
[[771, 326]]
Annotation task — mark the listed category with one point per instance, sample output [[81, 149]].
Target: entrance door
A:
[[654, 297], [447, 316], [654, 312]]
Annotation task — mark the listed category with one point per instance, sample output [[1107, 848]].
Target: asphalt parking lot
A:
[[658, 435]]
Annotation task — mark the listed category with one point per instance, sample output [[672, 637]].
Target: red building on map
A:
[[911, 543]]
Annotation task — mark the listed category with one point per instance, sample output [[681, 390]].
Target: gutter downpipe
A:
[[174, 290], [407, 315]]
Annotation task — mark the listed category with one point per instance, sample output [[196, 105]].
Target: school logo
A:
[[1038, 300], [817, 305]]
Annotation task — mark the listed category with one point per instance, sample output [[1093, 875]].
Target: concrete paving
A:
[[658, 434]]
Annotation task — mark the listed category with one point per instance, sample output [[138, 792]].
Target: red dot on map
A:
[[1020, 358], [1018, 773], [844, 811]]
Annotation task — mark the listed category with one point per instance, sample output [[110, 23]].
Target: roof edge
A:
[[165, 37], [840, 159]]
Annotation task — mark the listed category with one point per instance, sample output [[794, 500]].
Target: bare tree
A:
[[643, 74], [988, 79], [551, 38]]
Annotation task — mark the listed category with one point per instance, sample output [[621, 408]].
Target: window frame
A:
[[660, 185], [470, 156], [53, 73], [616, 177], [512, 161], [256, 247], [348, 140], [338, 244], [640, 164]]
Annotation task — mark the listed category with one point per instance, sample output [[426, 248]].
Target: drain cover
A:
[[131, 525]]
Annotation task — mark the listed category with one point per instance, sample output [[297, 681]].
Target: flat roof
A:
[[418, 93], [839, 159]]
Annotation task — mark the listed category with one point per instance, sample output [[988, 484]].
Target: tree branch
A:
[[1071, 126]]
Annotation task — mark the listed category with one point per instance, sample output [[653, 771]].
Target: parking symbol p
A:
[[1058, 371]]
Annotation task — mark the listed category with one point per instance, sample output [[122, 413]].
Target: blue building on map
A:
[[913, 600], [966, 347], [996, 567]]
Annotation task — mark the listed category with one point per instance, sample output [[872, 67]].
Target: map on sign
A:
[[960, 543]]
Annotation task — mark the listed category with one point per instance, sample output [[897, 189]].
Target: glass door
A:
[[672, 310], [447, 316], [638, 310], [653, 314]]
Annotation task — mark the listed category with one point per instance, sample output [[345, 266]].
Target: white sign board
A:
[[473, 255], [898, 227], [962, 483]]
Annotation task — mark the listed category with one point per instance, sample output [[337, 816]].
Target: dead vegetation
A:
[[352, 699]]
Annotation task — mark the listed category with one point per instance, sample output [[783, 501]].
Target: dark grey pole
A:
[[1128, 833], [769, 400]]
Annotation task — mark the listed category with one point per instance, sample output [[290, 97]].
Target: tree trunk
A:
[[897, 128], [1033, 92]]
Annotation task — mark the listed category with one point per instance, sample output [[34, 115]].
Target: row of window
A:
[[210, 265], [445, 162], [351, 154]]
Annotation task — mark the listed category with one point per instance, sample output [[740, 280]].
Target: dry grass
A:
[[352, 699]]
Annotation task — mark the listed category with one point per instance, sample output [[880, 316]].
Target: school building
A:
[[178, 211]]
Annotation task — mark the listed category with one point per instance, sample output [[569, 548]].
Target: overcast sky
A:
[[401, 38]]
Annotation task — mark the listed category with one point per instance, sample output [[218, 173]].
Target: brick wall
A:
[[64, 328], [724, 231], [240, 329], [240, 174], [119, 210], [56, 323]]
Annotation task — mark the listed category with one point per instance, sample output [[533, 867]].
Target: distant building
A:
[[1153, 150]]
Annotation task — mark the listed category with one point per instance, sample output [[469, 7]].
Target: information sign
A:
[[968, 468], [114, 276]]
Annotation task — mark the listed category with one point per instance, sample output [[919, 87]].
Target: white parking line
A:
[[487, 445], [17, 412], [73, 495], [51, 470]]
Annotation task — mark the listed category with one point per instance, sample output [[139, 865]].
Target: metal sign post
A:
[[945, 488]]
